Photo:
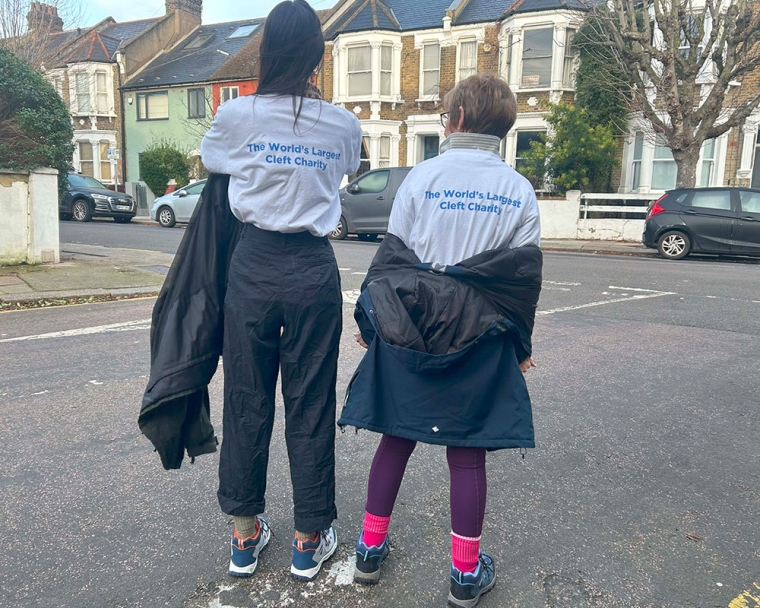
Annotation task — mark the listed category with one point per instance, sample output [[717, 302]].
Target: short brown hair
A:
[[489, 105]]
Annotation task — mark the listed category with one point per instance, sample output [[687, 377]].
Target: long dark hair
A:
[[291, 49]]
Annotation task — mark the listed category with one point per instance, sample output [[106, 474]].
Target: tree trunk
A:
[[686, 163]]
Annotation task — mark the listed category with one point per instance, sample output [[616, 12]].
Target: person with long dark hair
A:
[[286, 154]]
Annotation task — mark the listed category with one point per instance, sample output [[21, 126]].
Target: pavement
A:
[[112, 272]]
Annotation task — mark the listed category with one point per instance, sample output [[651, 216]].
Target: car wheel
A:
[[370, 238], [80, 210], [166, 217], [674, 245], [341, 230]]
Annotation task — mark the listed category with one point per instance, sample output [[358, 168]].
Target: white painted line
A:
[[85, 331], [556, 289], [560, 283], [603, 302], [636, 289], [344, 269], [360, 273]]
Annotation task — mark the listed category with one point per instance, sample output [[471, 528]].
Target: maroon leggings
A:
[[467, 468]]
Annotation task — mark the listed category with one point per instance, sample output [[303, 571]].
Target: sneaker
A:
[[369, 560], [309, 555], [468, 587], [244, 552]]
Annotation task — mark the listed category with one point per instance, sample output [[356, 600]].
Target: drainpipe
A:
[[123, 131]]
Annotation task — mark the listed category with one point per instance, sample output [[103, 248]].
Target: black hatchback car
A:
[[86, 198], [721, 221]]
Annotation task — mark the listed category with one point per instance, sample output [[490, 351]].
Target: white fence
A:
[[609, 217]]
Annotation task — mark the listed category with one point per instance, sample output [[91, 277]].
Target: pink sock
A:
[[375, 529], [465, 552]]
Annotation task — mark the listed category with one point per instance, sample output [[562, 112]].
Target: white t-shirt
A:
[[462, 203], [284, 176]]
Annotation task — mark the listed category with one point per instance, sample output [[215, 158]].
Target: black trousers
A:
[[283, 312]]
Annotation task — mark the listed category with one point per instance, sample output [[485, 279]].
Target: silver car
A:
[[177, 206]]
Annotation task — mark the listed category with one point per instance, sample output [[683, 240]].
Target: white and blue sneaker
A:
[[368, 561], [468, 587], [309, 555], [244, 552]]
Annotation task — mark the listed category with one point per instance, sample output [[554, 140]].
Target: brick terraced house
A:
[[391, 62]]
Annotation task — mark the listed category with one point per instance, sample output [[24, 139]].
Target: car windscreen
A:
[[85, 181]]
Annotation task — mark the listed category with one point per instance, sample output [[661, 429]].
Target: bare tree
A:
[[682, 63], [28, 29]]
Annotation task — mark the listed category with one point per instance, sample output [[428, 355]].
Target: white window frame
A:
[[637, 163], [424, 95], [105, 110], [349, 73], [228, 90], [570, 60], [538, 86], [389, 91], [85, 77], [91, 160], [466, 72], [384, 156]]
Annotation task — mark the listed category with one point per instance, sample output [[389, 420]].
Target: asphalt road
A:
[[644, 489]]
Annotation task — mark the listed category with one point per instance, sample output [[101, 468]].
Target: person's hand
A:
[[359, 340], [527, 364]]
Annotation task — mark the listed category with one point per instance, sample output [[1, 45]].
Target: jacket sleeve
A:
[[214, 148]]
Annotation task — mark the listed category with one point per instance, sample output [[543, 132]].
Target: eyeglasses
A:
[[444, 119]]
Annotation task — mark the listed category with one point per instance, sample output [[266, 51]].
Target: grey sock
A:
[[246, 526]]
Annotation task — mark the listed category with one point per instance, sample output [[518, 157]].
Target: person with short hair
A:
[[447, 312]]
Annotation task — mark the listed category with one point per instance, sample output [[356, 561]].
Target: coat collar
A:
[[471, 141]]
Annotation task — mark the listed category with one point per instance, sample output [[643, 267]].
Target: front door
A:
[[710, 217], [746, 237], [368, 199]]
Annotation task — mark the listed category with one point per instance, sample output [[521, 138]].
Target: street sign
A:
[[113, 153]]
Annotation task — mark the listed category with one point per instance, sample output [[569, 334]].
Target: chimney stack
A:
[[194, 7], [44, 18]]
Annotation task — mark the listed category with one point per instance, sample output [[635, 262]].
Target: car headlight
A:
[[100, 197]]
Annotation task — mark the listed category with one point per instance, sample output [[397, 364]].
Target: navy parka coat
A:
[[445, 344]]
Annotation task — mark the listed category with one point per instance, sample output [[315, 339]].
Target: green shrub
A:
[[162, 161], [35, 126], [578, 155]]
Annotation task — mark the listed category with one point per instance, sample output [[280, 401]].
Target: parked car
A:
[[177, 206], [86, 198], [705, 220], [366, 203]]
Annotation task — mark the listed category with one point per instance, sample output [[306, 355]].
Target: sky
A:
[[214, 11]]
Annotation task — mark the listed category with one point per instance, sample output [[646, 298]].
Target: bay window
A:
[[638, 155], [82, 84], [708, 163], [568, 68], [538, 45], [385, 151], [101, 92], [86, 166], [524, 139], [386, 69], [359, 71], [105, 162]]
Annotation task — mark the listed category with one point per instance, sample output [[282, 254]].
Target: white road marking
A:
[[360, 273], [351, 296], [556, 289], [85, 331], [344, 269], [96, 383], [41, 393], [560, 283], [636, 289], [603, 302]]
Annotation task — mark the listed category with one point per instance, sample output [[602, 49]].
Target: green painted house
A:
[[176, 95]]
